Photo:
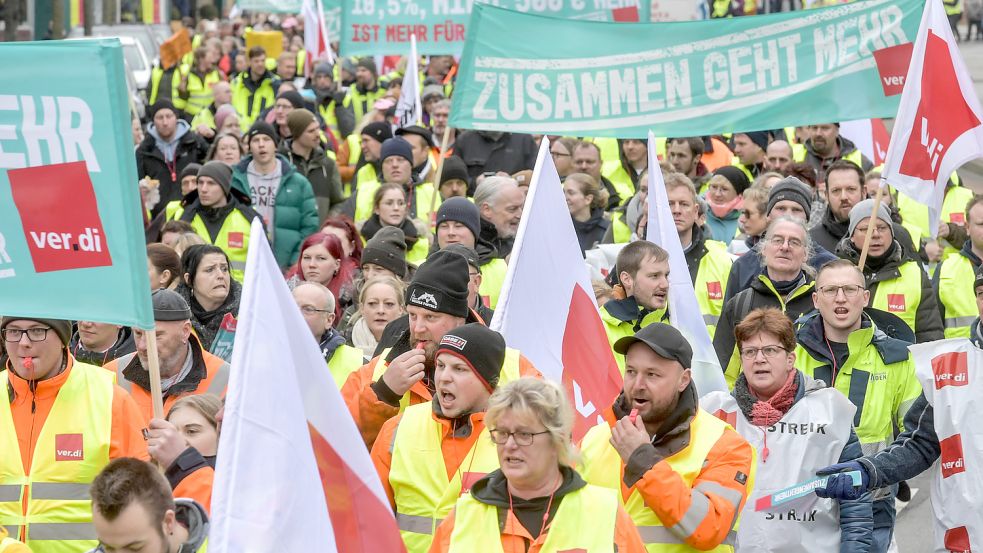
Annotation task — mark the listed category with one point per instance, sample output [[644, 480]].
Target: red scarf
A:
[[769, 412]]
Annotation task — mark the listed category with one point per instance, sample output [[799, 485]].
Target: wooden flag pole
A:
[[870, 226], [436, 175], [155, 393]]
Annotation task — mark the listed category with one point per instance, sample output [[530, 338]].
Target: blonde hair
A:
[[187, 240], [589, 187], [545, 401], [207, 405], [397, 285]]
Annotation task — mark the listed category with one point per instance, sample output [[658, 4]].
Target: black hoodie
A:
[[591, 231], [124, 344]]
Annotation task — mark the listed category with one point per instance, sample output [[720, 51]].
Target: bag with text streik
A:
[[225, 338], [951, 373]]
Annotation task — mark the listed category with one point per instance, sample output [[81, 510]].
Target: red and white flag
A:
[[409, 110], [547, 308], [870, 136], [938, 126], [316, 40], [293, 474]]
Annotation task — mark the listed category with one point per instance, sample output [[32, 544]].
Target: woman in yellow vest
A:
[[389, 208], [535, 502], [897, 282]]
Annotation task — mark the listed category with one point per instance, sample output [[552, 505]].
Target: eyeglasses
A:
[[749, 354], [878, 229], [559, 154], [310, 310], [779, 241], [849, 290], [501, 437], [36, 334]]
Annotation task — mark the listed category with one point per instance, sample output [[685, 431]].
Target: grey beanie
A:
[[387, 249], [219, 172], [864, 210], [792, 189]]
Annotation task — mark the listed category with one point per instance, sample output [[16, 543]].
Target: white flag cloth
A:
[[409, 110], [951, 373], [547, 308], [293, 474], [684, 310], [316, 40], [938, 126]]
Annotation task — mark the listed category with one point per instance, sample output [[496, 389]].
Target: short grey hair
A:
[[443, 103], [491, 188], [809, 245], [545, 401], [329, 301]]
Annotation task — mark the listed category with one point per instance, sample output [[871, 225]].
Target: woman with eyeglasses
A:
[[798, 425], [535, 501], [786, 282], [895, 279]]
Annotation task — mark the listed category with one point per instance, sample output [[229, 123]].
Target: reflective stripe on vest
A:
[[957, 294], [492, 280], [344, 361], [250, 104], [418, 475], [901, 296], [711, 281], [823, 420], [200, 94], [476, 525], [602, 467], [71, 449], [235, 230]]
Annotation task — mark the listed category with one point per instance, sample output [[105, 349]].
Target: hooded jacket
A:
[[928, 320], [747, 267], [820, 163], [829, 232], [489, 235], [591, 231], [322, 172], [187, 147], [295, 214], [206, 323], [124, 344]]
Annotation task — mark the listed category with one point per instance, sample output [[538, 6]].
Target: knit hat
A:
[[62, 328], [454, 168], [758, 137], [169, 305], [738, 179], [348, 64], [864, 210], [219, 172], [480, 347], [440, 284], [163, 103], [523, 178], [258, 128], [298, 120], [792, 189], [368, 63], [432, 90], [378, 131], [387, 249], [189, 170], [468, 253], [397, 147], [292, 96], [419, 131], [461, 210], [223, 113], [324, 68]]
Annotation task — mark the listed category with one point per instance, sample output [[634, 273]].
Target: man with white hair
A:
[[499, 202], [317, 305]]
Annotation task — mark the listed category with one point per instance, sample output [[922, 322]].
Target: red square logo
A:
[[468, 479], [892, 65], [950, 369], [628, 14], [714, 292], [957, 540], [235, 240], [58, 208], [895, 303], [951, 460], [958, 217], [68, 447]]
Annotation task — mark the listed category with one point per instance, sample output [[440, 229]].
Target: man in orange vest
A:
[[61, 422], [185, 367]]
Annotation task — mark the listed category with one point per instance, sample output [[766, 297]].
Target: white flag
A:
[[684, 310], [409, 110], [293, 474], [547, 308], [938, 126]]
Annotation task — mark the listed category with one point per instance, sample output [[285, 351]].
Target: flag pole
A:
[[154, 359], [436, 174], [870, 226]]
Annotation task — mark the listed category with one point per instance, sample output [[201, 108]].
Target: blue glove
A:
[[840, 486]]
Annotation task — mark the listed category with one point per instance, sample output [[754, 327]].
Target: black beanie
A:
[[440, 284], [61, 327], [378, 131], [758, 137], [387, 249], [219, 172], [292, 96], [737, 178], [368, 63], [461, 210], [189, 170], [454, 168], [792, 189], [397, 146], [258, 128], [480, 347], [163, 103]]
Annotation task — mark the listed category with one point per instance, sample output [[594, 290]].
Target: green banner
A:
[[377, 27], [71, 228], [332, 11], [532, 74]]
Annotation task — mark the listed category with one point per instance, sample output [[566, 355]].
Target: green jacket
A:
[[295, 212]]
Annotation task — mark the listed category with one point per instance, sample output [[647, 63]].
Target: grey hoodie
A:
[[263, 189], [169, 148], [192, 516]]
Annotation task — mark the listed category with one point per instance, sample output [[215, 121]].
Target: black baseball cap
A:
[[664, 340]]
